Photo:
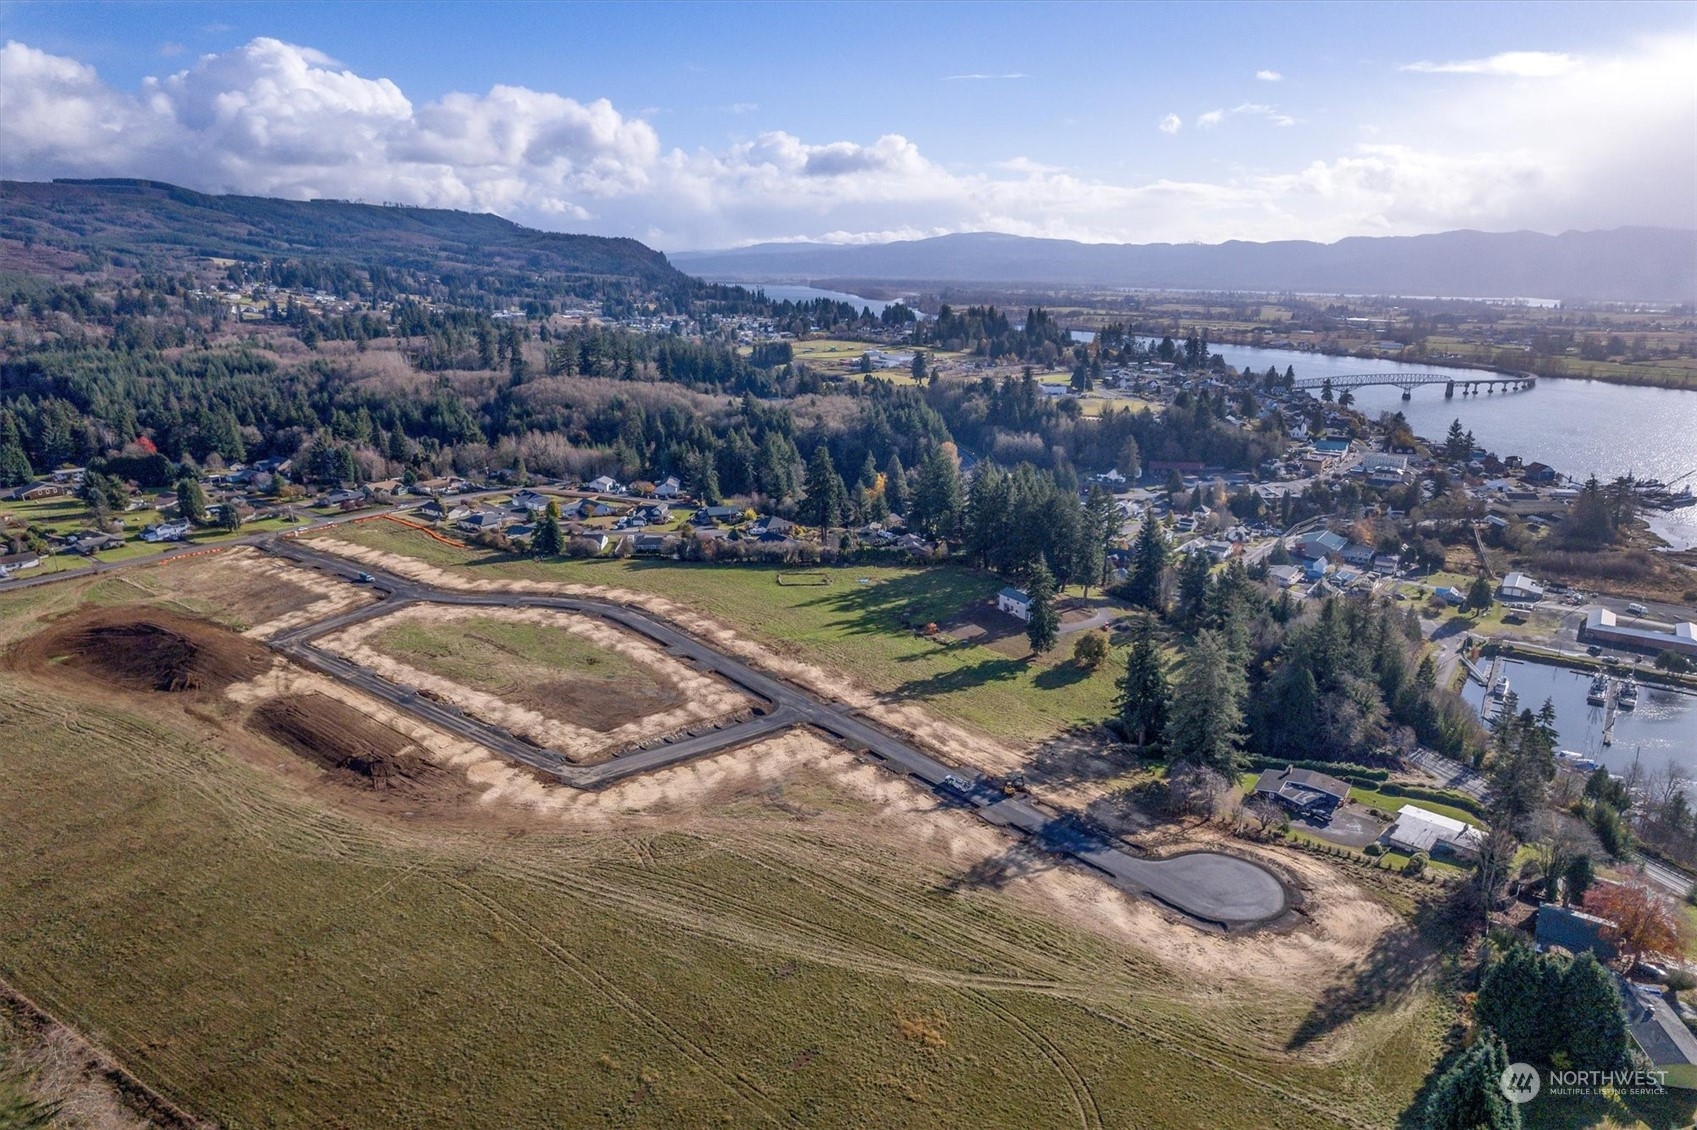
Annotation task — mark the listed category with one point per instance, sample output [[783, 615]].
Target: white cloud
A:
[[1269, 76], [279, 119], [985, 77], [1513, 64]]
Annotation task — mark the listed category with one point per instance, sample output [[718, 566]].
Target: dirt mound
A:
[[147, 649], [337, 737]]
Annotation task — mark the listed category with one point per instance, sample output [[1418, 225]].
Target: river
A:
[[1578, 427], [1663, 728], [809, 293]]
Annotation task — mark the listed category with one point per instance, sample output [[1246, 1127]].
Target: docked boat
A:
[[1598, 695], [1500, 691], [1627, 699]]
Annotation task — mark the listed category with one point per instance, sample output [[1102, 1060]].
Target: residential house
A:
[[1303, 791], [1660, 1034], [1574, 931], [1359, 556], [438, 511], [1518, 588], [17, 562], [1387, 564], [715, 515], [90, 542], [1540, 473], [1450, 595], [670, 488], [1284, 576], [531, 501], [1418, 829], [165, 531], [652, 544], [605, 484], [653, 514], [770, 528], [1014, 602], [1318, 545], [483, 521], [342, 498], [36, 490]]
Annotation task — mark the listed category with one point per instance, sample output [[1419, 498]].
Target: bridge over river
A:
[[1408, 382]]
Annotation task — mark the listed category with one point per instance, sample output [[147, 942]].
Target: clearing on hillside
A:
[[149, 649]]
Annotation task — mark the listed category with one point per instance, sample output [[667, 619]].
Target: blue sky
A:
[[711, 125]]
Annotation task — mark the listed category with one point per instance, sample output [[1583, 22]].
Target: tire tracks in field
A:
[[1083, 1100], [730, 1078]]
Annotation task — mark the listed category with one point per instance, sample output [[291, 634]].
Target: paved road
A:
[[1211, 887]]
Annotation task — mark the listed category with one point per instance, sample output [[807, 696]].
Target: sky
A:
[[694, 126]]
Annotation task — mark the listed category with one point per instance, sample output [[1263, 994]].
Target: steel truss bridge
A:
[[1408, 382]]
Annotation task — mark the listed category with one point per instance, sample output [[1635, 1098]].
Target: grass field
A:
[[846, 625], [269, 956]]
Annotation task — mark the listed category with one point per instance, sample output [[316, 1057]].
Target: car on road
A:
[[955, 783], [1637, 610], [363, 578]]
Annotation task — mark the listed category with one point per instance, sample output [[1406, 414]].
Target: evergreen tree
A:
[[1515, 1001], [826, 497], [1193, 574], [1591, 1017], [895, 484], [1480, 596], [1043, 626], [1148, 565], [918, 369], [1101, 522], [228, 519], [1205, 720], [15, 469], [1469, 1095], [191, 501], [548, 540], [1456, 447], [937, 501], [1142, 702]]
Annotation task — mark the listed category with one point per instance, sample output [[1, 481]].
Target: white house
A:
[[1417, 829], [165, 531], [606, 484], [1519, 588], [1014, 602], [669, 488]]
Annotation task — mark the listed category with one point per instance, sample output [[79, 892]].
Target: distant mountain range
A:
[[1623, 265], [150, 224]]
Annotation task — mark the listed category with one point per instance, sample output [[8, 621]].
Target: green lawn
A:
[[1384, 802], [846, 625]]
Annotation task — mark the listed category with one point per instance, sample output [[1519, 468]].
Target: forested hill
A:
[[1626, 264], [78, 225]]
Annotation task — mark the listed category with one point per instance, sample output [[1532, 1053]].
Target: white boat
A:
[[1598, 695], [1500, 691], [1628, 696]]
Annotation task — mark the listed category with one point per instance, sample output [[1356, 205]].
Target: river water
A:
[[809, 293], [1578, 427], [1663, 727]]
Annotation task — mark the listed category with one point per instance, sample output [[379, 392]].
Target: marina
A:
[[1605, 716]]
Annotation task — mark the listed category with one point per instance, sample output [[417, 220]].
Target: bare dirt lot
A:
[[144, 650], [240, 588], [335, 736]]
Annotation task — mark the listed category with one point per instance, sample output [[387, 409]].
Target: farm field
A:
[[850, 626], [779, 934]]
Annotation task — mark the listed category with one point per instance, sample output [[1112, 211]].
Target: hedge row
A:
[[1438, 796], [1361, 775]]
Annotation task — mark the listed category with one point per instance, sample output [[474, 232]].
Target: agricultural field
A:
[[868, 623], [411, 933]]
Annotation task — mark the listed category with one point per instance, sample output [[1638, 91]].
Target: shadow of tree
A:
[[960, 678], [1060, 675], [1399, 960], [1019, 861]]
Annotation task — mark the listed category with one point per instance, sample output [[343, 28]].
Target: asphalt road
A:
[[1213, 888]]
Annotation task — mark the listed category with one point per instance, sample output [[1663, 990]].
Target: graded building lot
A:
[[571, 683], [781, 933]]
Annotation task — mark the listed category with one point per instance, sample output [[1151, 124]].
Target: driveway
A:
[[1350, 827]]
